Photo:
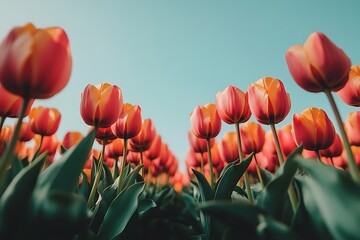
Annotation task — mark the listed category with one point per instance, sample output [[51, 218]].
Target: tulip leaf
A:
[[120, 212], [331, 200], [205, 189], [144, 206], [228, 166], [84, 187], [63, 149], [14, 200], [269, 228], [266, 175], [130, 178], [64, 174], [230, 178]]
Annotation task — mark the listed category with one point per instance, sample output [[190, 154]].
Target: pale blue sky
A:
[[169, 56]]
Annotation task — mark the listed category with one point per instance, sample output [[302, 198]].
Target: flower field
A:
[[300, 181]]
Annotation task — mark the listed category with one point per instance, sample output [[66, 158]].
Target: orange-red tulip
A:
[[155, 148], [252, 137], [198, 145], [10, 104], [101, 104], [44, 121], [319, 64], [133, 157], [35, 63], [115, 149], [143, 140], [350, 93], [313, 129], [71, 138], [128, 125], [50, 144], [232, 105], [205, 121], [268, 100], [286, 139], [352, 127], [104, 134], [335, 149], [228, 148], [26, 134]]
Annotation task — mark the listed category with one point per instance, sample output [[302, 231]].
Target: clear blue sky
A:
[[169, 56]]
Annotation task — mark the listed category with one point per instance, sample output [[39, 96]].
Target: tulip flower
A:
[[350, 93], [10, 104], [71, 138], [101, 104], [252, 137], [26, 134], [44, 121], [232, 105], [115, 149], [227, 146], [41, 67], [104, 135], [206, 124], [313, 129], [286, 139], [352, 127], [199, 145], [155, 148], [334, 150]]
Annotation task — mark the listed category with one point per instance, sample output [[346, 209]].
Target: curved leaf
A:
[[120, 212], [205, 189], [269, 228]]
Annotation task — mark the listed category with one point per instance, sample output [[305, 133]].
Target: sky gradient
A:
[[170, 56]]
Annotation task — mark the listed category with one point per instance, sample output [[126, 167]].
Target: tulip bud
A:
[[350, 93], [352, 127], [205, 121], [44, 121], [128, 125], [252, 137]]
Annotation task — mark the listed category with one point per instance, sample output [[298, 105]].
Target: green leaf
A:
[[204, 187], [14, 201], [131, 177], [84, 188], [144, 206], [272, 229], [120, 212], [331, 200], [63, 149], [64, 174], [266, 175], [230, 178]]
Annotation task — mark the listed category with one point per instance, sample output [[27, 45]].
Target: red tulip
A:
[[50, 144], [10, 104], [228, 148], [35, 63], [232, 105], [128, 125], [319, 64], [350, 93], [115, 149], [26, 134], [71, 138], [101, 105], [205, 121], [198, 145], [143, 140], [335, 149], [268, 100], [313, 129], [155, 148], [44, 121], [104, 134], [352, 127], [252, 137], [286, 139]]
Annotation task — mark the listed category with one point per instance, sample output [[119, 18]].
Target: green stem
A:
[[351, 161], [212, 180], [258, 171], [97, 177], [148, 177], [2, 120], [123, 166], [141, 163], [202, 163], [241, 156], [291, 190], [5, 160], [318, 157]]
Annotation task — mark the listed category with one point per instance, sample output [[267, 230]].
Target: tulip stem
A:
[[258, 171], [5, 160], [2, 120], [123, 166], [241, 156], [351, 161], [141, 163], [318, 157], [291, 190], [202, 163], [97, 177], [148, 176], [332, 161], [212, 180]]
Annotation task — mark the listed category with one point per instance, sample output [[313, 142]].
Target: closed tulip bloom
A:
[[71, 138], [155, 148], [352, 127], [50, 144], [101, 104], [115, 149], [335, 149], [252, 137], [228, 148], [286, 139], [198, 145], [26, 134], [104, 134], [313, 129], [350, 93], [34, 62], [319, 64], [128, 125], [205, 121], [268, 100], [143, 140], [10, 104], [232, 105], [44, 121]]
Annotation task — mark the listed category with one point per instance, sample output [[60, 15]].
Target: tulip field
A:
[[299, 181]]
